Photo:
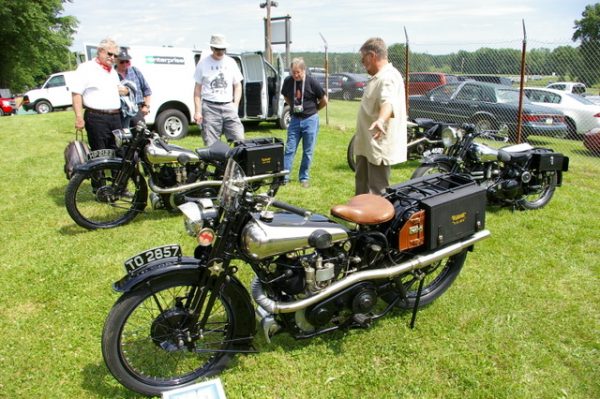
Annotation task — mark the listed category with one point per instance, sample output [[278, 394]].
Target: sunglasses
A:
[[111, 54], [124, 62]]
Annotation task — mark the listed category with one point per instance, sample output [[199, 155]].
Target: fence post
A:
[[407, 77], [521, 84]]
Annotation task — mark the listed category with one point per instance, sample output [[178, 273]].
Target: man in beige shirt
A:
[[381, 123]]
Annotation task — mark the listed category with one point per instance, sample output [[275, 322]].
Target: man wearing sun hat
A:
[[217, 94]]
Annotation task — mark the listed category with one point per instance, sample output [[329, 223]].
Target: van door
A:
[[255, 86], [57, 91]]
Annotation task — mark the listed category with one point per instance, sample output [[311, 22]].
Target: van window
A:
[[578, 89], [56, 81]]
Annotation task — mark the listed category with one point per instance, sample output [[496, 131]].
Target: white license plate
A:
[[549, 121], [151, 255], [104, 153], [434, 150]]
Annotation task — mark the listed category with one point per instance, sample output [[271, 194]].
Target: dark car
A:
[[500, 80], [352, 84], [335, 84], [489, 107]]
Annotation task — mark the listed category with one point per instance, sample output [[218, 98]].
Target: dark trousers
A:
[[99, 128]]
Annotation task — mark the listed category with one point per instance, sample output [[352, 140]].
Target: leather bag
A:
[[76, 153]]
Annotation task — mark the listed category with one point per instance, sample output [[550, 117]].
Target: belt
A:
[[103, 111], [217, 103]]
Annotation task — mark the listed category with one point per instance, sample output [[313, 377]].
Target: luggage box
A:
[[546, 160], [259, 156], [454, 206]]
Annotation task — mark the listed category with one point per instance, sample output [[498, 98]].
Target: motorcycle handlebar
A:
[[291, 208]]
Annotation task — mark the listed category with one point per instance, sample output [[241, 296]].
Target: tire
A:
[[483, 123], [571, 129], [350, 154], [538, 199], [43, 107], [284, 121], [172, 124], [98, 206], [149, 356], [430, 169], [347, 95]]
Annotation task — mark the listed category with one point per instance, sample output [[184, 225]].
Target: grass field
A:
[[521, 321]]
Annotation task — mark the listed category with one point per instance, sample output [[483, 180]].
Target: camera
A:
[[298, 109]]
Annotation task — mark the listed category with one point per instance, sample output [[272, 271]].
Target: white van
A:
[[170, 74], [55, 93]]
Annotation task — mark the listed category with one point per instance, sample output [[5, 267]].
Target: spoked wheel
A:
[[438, 278], [95, 202], [350, 154], [431, 169], [151, 342], [541, 189]]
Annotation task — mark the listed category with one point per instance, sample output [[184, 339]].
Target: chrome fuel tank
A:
[[286, 232], [156, 154], [483, 153]]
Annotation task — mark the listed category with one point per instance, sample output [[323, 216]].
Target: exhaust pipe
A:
[[421, 140], [418, 262]]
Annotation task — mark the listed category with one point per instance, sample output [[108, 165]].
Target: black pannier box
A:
[[454, 206], [546, 160], [259, 156]]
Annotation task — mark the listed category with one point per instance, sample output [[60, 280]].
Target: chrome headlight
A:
[[450, 136], [196, 214], [122, 137]]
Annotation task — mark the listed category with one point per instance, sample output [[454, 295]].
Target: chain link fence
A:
[[483, 85]]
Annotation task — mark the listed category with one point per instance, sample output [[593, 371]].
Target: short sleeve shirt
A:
[[312, 92], [217, 78], [98, 87]]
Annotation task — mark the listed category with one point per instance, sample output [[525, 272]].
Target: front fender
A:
[[117, 163], [435, 158]]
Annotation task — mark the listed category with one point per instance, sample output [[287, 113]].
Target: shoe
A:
[[305, 184]]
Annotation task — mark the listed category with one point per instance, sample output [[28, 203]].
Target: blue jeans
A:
[[305, 130]]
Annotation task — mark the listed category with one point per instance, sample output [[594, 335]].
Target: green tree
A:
[[35, 41], [587, 31]]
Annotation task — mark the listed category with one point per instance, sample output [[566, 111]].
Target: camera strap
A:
[[302, 94]]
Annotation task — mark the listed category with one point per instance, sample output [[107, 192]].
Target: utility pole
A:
[[268, 52]]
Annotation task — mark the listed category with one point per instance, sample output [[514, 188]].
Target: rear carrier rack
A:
[[436, 210]]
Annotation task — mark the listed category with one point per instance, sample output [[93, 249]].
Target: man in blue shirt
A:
[[141, 93]]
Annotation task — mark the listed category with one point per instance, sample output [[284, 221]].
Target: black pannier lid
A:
[[259, 156]]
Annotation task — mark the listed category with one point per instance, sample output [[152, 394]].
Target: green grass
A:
[[521, 321]]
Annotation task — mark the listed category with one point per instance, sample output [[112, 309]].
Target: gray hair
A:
[[299, 62], [377, 46], [107, 43]]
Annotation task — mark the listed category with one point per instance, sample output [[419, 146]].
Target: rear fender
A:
[[117, 163]]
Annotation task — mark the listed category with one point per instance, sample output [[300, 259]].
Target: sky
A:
[[432, 26]]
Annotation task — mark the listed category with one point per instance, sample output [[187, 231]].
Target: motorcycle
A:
[[110, 190], [424, 137], [521, 176], [181, 318]]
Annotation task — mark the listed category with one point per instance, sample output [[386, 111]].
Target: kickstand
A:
[[421, 278]]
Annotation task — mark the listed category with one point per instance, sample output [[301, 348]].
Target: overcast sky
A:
[[433, 26]]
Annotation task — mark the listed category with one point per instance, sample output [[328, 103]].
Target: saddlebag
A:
[[259, 156], [547, 160], [437, 210], [76, 153]]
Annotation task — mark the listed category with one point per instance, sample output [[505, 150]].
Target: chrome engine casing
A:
[[483, 153], [158, 155], [286, 232]]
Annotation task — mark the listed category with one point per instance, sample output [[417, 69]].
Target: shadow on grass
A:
[[95, 378]]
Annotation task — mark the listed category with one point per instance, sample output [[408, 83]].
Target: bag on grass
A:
[[76, 153]]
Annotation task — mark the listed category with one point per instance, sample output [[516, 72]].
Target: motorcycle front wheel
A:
[[150, 342], [431, 169], [95, 202], [350, 154], [542, 191], [438, 278]]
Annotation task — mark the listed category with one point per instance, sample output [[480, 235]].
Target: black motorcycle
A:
[[110, 189], [424, 137], [180, 318], [521, 176]]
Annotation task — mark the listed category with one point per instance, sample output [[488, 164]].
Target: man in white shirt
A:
[[96, 90], [217, 94]]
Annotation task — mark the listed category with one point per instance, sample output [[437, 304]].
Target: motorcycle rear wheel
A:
[[350, 154], [438, 278], [542, 196], [149, 344], [94, 202]]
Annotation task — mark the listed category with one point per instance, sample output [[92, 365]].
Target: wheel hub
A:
[[170, 330], [105, 194]]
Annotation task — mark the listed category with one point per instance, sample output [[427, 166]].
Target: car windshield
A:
[[508, 96]]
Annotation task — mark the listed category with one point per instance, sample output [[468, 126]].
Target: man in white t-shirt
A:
[[217, 94]]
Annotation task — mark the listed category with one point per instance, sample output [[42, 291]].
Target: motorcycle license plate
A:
[[434, 150], [104, 153], [151, 255]]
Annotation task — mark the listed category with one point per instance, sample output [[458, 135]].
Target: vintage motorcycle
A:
[[424, 137], [110, 190], [521, 176], [180, 318]]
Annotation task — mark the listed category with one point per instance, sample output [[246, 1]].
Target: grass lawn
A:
[[521, 321]]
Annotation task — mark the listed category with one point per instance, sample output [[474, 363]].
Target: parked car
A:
[[489, 107], [353, 84], [591, 141], [335, 84], [7, 106], [569, 87], [581, 115], [422, 82], [55, 93], [499, 80]]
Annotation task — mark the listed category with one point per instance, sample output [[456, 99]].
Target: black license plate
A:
[[151, 255]]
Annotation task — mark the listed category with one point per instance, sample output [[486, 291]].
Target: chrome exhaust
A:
[[421, 140], [418, 262]]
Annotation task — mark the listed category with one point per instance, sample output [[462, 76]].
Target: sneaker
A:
[[305, 184]]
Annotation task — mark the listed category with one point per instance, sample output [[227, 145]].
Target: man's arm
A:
[[197, 103], [77, 101], [237, 94]]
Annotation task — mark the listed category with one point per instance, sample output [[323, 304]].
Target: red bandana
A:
[[105, 67]]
